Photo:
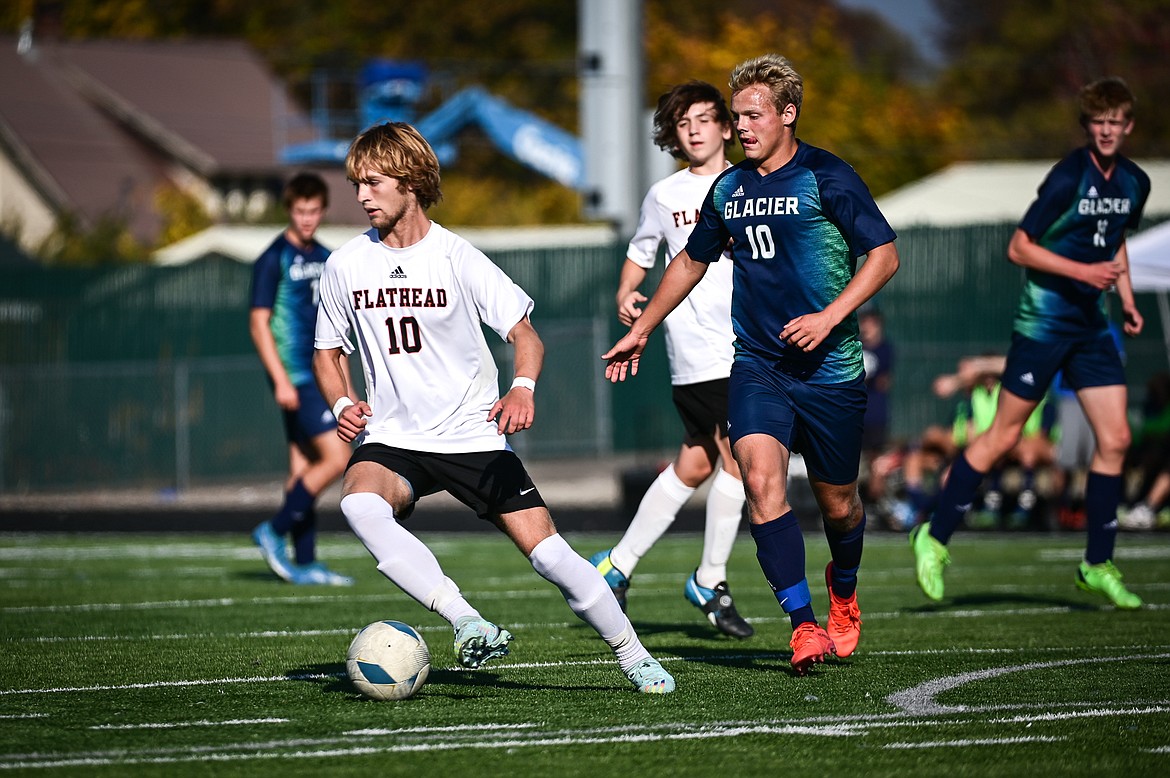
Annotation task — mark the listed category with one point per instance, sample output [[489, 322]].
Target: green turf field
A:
[[180, 655]]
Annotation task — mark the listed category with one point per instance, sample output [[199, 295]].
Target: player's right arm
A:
[[628, 296], [330, 368], [1027, 253], [682, 275], [260, 327]]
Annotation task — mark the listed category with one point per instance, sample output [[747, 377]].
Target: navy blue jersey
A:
[[795, 236], [1082, 216], [285, 279]]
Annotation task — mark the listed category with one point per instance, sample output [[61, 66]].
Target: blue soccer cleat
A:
[[619, 584], [273, 550], [719, 607], [317, 574]]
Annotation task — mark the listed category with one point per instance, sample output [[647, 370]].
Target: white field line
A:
[[527, 735], [606, 661], [920, 700], [990, 741], [393, 596], [182, 724]]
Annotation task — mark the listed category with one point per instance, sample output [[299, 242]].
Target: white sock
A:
[[724, 513], [657, 511], [589, 597], [402, 557]]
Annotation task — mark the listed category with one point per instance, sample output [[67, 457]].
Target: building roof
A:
[[96, 127], [969, 193], [245, 243]]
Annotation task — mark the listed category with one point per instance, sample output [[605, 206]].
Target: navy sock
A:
[[917, 498], [845, 548], [1102, 496], [955, 499], [297, 500], [304, 533], [780, 551]]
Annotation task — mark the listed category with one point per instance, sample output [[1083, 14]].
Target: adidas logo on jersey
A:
[[738, 192], [1028, 378], [397, 272], [1092, 192]]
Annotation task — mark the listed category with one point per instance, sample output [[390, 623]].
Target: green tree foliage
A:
[[1008, 90], [106, 242], [1016, 69], [860, 101]]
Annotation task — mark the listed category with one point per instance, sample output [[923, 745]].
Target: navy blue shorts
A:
[[312, 418], [702, 407], [1031, 364], [491, 483], [822, 422]]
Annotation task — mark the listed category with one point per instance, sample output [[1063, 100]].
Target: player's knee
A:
[[842, 514], [1113, 444]]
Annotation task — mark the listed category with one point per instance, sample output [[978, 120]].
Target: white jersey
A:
[[415, 313], [699, 338]]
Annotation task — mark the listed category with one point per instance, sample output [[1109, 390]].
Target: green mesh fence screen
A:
[[145, 376]]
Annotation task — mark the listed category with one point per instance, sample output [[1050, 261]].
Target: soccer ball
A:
[[388, 660]]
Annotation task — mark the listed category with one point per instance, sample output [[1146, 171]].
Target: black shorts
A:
[[491, 483], [702, 407]]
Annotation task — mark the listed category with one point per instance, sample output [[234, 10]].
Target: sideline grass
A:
[[180, 655]]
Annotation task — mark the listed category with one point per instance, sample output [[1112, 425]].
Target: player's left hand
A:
[[808, 331], [1133, 322], [514, 411]]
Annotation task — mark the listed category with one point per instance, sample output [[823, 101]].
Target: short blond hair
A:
[[775, 73], [398, 150]]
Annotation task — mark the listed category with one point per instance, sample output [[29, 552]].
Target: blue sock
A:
[[955, 499], [304, 533], [780, 551], [297, 500], [845, 548], [1102, 496]]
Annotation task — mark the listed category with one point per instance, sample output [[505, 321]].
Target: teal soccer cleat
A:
[[719, 607], [273, 550], [478, 641], [619, 584], [649, 677]]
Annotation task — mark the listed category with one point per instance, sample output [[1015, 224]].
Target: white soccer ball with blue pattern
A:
[[388, 660]]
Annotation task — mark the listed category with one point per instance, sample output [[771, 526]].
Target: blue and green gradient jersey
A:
[[1082, 216], [285, 279], [795, 235]]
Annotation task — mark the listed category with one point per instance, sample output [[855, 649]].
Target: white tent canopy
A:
[[1149, 270], [1149, 259]]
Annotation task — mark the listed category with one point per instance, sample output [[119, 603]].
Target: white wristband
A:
[[342, 403], [524, 382]]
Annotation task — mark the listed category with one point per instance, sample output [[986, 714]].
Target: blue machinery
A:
[[390, 90]]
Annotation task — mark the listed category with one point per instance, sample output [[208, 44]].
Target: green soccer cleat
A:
[[649, 677], [1105, 579], [478, 641], [930, 557]]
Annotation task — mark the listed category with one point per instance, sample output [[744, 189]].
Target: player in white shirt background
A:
[[693, 123], [413, 295]]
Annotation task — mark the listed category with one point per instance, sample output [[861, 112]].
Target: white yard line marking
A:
[[181, 724], [990, 741], [919, 700]]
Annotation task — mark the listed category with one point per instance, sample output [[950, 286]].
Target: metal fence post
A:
[[182, 426]]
